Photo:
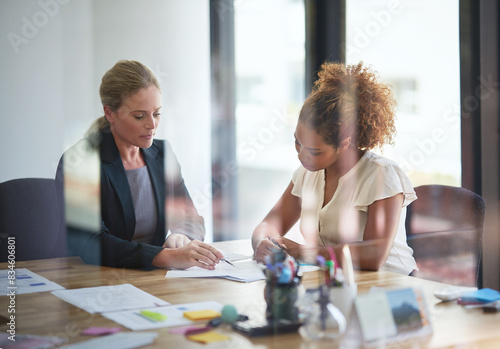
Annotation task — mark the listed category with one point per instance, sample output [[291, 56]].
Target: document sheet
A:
[[22, 280], [243, 271], [109, 298], [172, 315]]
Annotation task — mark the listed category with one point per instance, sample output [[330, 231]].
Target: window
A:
[[414, 46], [269, 64]]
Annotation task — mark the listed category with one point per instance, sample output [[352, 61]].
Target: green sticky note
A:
[[153, 315]]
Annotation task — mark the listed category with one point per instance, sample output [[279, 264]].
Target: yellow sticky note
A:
[[207, 337], [201, 315]]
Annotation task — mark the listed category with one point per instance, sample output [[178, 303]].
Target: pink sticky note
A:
[[188, 330], [100, 331]]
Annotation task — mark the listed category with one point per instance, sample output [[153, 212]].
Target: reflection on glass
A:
[[269, 55], [82, 187], [414, 45]]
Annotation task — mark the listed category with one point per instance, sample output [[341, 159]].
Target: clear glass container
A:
[[321, 319]]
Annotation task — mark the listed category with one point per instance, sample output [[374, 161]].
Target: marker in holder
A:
[[281, 290]]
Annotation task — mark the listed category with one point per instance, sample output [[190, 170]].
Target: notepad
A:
[[201, 315]]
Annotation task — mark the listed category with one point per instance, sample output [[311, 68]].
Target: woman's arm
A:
[[276, 224], [380, 231]]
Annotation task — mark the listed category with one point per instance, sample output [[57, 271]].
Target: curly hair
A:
[[348, 101]]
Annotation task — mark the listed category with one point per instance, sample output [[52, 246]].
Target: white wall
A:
[[53, 54], [31, 89]]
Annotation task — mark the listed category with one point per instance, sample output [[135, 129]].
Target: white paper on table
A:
[[245, 271], [109, 298], [132, 319], [121, 340], [232, 256], [25, 281], [305, 268]]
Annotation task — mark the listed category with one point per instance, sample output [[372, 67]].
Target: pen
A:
[[228, 262], [277, 244]]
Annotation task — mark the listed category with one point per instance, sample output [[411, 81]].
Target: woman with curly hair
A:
[[343, 193]]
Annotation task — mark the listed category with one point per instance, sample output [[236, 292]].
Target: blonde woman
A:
[[143, 195]]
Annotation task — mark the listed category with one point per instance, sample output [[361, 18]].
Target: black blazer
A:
[[113, 245]]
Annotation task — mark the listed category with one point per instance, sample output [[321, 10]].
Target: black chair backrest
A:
[[444, 226], [444, 208], [32, 224]]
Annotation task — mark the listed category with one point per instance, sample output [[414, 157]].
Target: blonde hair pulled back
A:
[[124, 79]]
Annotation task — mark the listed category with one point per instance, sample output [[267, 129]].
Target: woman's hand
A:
[[176, 241], [264, 248], [193, 254], [269, 245], [277, 223], [293, 248]]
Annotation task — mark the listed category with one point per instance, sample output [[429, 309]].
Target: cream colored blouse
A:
[[343, 219]]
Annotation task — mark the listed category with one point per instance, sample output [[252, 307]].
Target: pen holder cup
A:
[[280, 301], [343, 298]]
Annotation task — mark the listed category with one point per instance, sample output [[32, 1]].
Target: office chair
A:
[[444, 227], [31, 212]]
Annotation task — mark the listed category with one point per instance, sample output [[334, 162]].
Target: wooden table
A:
[[46, 314]]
